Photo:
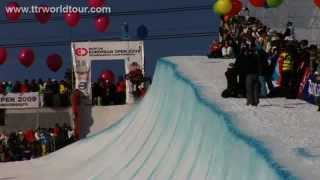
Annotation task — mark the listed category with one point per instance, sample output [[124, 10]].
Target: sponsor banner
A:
[[312, 90], [19, 100], [83, 53], [113, 50]]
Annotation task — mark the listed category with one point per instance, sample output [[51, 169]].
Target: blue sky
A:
[[43, 38]]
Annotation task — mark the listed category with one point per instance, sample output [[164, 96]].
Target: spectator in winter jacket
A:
[[34, 87], [63, 93], [121, 91], [9, 87], [215, 50], [29, 136], [24, 88], [252, 73], [136, 78], [227, 50]]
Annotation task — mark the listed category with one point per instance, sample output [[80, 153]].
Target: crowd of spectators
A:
[[30, 144], [106, 92], [52, 93], [258, 51]]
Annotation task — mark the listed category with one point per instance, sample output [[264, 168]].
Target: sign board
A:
[[312, 90], [19, 100], [85, 52]]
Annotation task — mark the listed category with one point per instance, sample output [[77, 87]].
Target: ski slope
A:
[[183, 129]]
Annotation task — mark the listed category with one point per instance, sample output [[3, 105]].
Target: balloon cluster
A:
[[72, 19], [266, 3], [27, 57], [228, 8], [54, 62]]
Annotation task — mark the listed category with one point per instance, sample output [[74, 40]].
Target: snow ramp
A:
[[174, 133]]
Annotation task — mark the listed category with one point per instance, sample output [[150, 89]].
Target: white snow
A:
[[283, 125], [105, 116]]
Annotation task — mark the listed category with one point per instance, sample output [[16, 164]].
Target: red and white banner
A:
[[85, 52], [19, 100]]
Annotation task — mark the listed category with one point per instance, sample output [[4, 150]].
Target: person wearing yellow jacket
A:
[[287, 70], [63, 93]]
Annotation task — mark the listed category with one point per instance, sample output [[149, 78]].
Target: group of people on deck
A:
[[259, 52], [53, 93]]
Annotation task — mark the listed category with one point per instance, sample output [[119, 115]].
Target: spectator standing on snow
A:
[[287, 71], [252, 77]]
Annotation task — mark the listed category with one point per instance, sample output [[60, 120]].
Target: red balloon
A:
[[236, 8], [3, 55], [258, 3], [43, 15], [26, 57], [96, 3], [11, 11], [102, 23], [107, 75], [72, 18], [54, 62], [317, 3]]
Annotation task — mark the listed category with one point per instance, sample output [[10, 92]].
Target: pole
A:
[[38, 119]]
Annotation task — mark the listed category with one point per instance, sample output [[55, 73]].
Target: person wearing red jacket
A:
[[29, 136], [76, 111], [121, 91], [56, 130], [136, 77], [24, 88]]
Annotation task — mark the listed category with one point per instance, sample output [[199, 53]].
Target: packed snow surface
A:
[[183, 129]]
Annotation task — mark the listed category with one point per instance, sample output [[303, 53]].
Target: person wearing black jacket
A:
[[241, 56], [253, 70]]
